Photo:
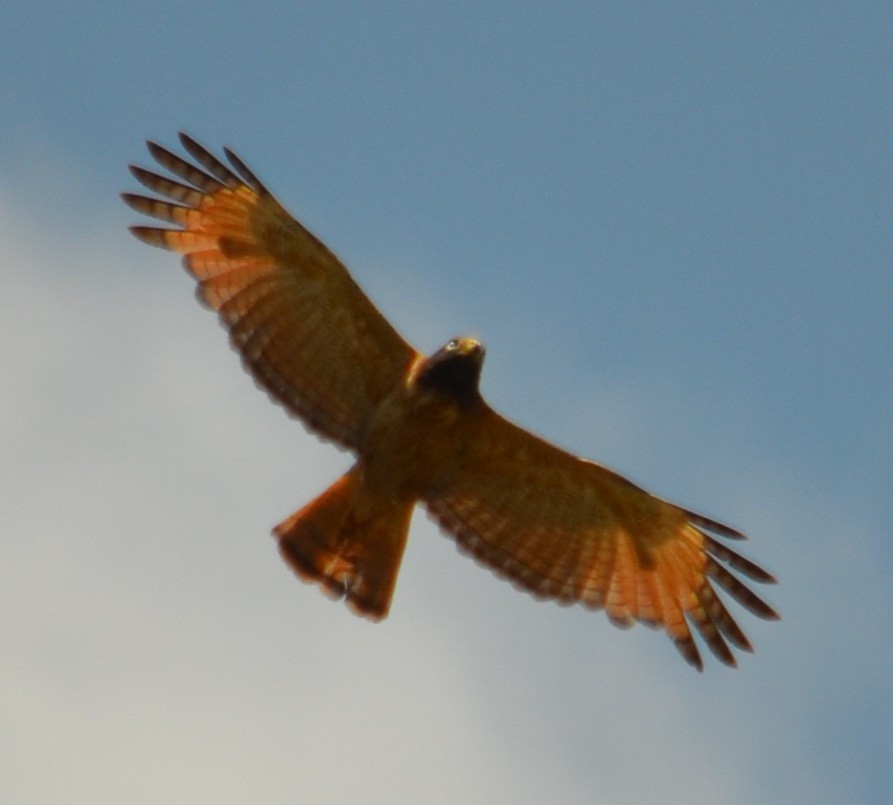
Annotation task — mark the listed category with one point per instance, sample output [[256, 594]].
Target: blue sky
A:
[[670, 224]]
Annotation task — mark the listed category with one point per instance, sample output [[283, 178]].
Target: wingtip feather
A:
[[153, 236]]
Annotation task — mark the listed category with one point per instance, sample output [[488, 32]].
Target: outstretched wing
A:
[[305, 330], [564, 528]]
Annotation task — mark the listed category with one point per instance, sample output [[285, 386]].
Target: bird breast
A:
[[413, 436]]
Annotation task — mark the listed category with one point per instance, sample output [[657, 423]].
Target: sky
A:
[[671, 226]]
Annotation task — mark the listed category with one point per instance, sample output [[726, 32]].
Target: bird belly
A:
[[411, 439]]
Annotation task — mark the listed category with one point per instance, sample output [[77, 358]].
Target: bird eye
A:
[[453, 345]]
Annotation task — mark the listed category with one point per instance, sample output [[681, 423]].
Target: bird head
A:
[[454, 370]]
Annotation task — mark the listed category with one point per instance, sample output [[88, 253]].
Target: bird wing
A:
[[567, 529], [305, 330]]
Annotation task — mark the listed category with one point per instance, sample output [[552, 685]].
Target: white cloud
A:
[[156, 649]]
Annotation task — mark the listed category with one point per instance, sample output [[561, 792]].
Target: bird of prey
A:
[[557, 526]]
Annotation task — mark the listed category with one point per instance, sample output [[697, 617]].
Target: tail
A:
[[348, 543]]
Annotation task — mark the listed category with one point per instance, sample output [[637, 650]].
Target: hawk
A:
[[557, 526]]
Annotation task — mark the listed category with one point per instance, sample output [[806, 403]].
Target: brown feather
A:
[[271, 281], [569, 529], [554, 525]]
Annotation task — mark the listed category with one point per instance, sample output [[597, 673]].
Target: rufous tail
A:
[[349, 544]]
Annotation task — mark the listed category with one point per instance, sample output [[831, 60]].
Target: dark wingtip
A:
[[760, 575], [134, 201], [154, 236], [246, 173], [154, 148], [714, 525], [689, 651], [194, 148]]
